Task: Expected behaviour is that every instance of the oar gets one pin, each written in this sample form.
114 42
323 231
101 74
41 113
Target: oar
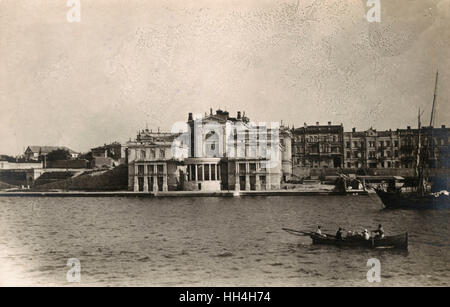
297 232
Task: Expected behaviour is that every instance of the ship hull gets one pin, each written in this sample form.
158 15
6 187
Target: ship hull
394 200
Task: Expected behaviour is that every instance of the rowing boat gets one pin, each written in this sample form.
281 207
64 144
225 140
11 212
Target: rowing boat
399 241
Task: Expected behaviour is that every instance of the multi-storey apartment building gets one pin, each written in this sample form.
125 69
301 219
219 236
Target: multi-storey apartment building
435 146
371 149
319 146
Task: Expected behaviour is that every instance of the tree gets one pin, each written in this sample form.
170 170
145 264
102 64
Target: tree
86 156
58 154
7 158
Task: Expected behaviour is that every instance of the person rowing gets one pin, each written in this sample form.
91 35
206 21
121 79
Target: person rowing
379 232
339 233
319 231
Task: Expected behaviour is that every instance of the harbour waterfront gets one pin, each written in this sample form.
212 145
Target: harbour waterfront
213 241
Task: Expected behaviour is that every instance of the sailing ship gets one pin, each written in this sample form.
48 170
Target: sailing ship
420 197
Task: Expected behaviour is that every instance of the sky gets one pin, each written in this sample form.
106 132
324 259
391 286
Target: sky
129 64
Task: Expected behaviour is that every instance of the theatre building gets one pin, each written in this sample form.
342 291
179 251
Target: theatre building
214 152
232 153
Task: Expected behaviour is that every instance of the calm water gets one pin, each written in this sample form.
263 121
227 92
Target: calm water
211 242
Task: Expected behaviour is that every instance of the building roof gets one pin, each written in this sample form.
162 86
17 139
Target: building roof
320 129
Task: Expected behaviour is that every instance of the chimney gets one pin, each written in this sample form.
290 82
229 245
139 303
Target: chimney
190 117
329 123
409 127
443 126
305 125
239 115
317 123
353 129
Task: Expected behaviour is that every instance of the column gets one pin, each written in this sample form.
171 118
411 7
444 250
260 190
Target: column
237 178
136 181
258 183
145 183
209 171
247 177
155 183
196 173
267 181
136 184
203 171
165 187
247 182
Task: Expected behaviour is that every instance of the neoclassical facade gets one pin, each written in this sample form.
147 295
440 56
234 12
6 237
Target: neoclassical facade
214 152
154 162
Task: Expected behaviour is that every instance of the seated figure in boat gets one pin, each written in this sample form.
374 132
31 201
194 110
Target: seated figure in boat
319 231
339 234
365 234
379 233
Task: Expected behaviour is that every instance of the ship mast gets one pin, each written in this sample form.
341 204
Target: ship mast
433 113
419 170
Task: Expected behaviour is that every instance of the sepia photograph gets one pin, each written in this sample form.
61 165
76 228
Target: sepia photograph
224 148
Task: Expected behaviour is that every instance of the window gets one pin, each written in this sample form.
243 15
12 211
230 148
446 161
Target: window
207 166
388 143
160 169
347 145
140 170
143 155
193 172
263 165
200 172
241 167
152 153
396 143
213 172
253 167
162 153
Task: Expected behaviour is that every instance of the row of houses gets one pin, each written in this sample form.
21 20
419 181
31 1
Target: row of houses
328 146
220 152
